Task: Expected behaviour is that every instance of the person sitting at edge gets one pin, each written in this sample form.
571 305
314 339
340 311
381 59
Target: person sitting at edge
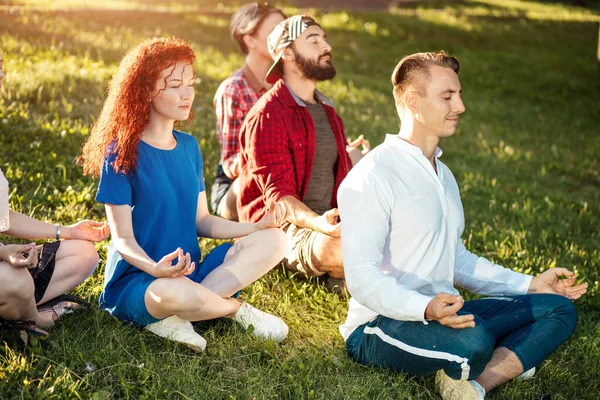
236 95
33 278
405 313
293 150
152 185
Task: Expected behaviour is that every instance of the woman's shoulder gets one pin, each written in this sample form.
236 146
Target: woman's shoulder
186 139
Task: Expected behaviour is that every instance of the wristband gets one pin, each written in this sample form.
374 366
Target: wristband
57 237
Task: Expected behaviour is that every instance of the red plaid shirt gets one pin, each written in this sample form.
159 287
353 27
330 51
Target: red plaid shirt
233 100
277 148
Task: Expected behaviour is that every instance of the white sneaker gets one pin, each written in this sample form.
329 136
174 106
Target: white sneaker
178 330
266 326
454 389
527 374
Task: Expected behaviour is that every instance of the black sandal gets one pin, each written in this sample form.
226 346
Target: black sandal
64 297
28 326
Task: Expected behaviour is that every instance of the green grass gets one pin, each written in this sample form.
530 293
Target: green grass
526 157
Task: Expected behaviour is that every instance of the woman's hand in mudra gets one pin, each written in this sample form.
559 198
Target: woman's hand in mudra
19 255
166 269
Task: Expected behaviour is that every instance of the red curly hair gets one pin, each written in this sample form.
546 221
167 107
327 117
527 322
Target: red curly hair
126 111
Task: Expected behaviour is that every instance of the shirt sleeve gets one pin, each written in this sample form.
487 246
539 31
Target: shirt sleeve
114 187
363 202
479 275
269 161
230 118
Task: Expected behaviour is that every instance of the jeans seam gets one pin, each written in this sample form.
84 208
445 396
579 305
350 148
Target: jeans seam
518 312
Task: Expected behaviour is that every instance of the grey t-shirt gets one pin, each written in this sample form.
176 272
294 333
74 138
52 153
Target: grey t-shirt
322 179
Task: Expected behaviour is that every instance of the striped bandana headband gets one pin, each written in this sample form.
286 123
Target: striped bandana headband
282 36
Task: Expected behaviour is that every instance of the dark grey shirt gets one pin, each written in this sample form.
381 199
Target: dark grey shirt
322 178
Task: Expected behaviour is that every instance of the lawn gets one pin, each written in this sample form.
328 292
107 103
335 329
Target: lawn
526 157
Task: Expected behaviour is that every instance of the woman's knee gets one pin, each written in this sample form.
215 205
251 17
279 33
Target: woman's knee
16 283
274 243
85 253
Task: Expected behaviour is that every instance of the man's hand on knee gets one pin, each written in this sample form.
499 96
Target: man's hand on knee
443 308
329 223
559 281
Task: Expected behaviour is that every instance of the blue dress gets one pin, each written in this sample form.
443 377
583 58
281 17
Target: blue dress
163 195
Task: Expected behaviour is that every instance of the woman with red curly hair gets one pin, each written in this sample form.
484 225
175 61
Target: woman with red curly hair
152 185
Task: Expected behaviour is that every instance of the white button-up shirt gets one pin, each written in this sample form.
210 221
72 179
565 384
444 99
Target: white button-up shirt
401 238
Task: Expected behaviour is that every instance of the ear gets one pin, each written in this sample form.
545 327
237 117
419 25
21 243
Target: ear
249 41
410 99
288 54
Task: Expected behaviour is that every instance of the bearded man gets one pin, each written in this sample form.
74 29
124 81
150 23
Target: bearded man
293 151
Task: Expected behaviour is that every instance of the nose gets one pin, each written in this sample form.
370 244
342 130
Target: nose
187 92
326 48
459 106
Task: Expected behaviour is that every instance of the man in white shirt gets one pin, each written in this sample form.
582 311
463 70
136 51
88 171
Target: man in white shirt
402 221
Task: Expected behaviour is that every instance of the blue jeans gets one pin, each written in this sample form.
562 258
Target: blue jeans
531 326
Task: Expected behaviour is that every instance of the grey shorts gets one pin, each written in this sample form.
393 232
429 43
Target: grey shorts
299 257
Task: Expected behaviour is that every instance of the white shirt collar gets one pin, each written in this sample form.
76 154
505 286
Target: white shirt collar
401 144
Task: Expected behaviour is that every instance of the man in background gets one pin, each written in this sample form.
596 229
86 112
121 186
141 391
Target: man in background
236 95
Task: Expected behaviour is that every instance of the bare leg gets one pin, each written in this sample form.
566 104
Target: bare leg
248 260
17 301
75 261
187 300
503 367
228 206
327 256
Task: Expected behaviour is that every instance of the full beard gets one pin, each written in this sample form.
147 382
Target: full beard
313 70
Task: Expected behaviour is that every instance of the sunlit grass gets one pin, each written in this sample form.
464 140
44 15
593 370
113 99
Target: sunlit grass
500 9
526 157
155 5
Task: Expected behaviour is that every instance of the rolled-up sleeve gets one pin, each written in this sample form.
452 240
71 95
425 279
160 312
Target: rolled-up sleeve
365 205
